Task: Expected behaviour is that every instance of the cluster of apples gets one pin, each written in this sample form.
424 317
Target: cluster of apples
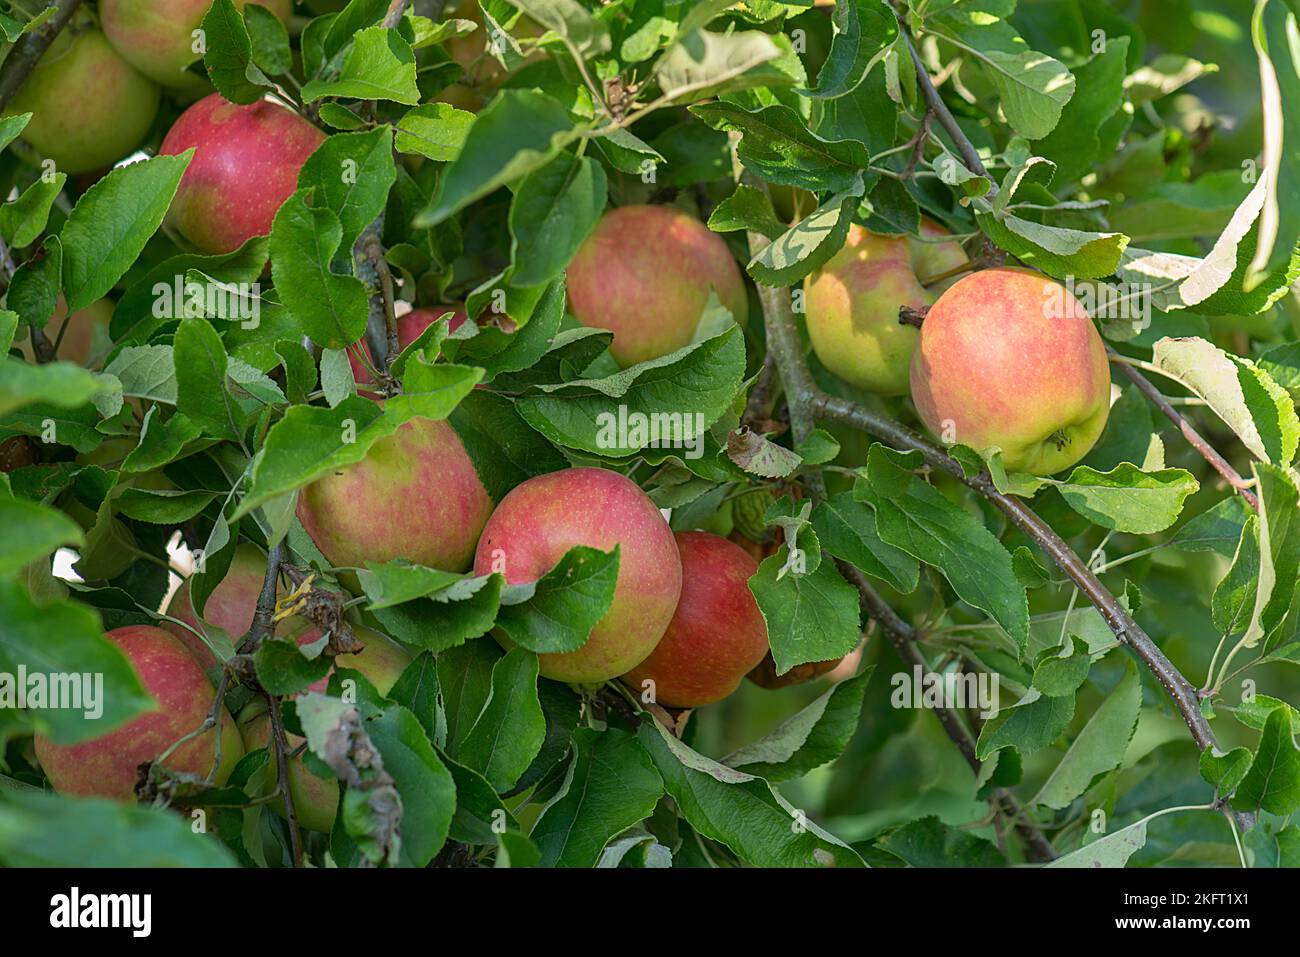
1004 358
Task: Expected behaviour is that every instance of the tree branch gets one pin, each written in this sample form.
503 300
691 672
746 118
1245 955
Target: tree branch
1194 438
31 47
903 637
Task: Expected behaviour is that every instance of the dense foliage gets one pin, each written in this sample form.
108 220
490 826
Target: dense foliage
643 433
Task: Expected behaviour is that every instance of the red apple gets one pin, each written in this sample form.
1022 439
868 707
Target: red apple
1009 358
542 518
716 636
415 495
157 36
106 766
230 606
245 165
645 274
89 107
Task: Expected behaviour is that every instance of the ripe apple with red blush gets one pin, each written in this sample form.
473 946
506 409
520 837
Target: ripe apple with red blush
106 766
540 519
245 165
717 634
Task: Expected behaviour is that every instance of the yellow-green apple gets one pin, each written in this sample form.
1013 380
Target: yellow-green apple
89 107
717 634
645 273
157 36
541 519
1009 358
107 766
415 495
409 327
852 307
315 799
86 340
931 257
245 165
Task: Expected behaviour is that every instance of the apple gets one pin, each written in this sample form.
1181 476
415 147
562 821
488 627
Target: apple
106 766
86 342
315 799
1009 358
245 165
852 307
931 259
409 327
89 107
543 517
157 36
415 495
645 274
717 634
764 673
230 606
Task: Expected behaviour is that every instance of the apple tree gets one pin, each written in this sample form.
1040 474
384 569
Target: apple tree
640 433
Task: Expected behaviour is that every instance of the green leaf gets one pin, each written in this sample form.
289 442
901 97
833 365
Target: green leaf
610 785
1030 725
1225 770
45 830
861 29
379 66
1166 74
518 132
1032 88
64 637
778 146
269 39
1056 250
811 616
747 208
847 529
1113 850
23 220
739 810
704 64
1273 782
1099 747
1248 401
1075 145
684 391
1126 498
435 130
202 389
809 243
913 516
1273 30
569 19
352 174
108 228
283 669
556 613
32 531
333 309
510 729
554 209
928 842
62 384
229 54
810 738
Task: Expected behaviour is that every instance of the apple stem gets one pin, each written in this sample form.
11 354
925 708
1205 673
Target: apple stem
907 316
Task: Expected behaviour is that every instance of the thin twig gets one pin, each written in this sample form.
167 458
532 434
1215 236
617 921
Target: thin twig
263 626
374 253
903 637
1194 438
281 743
31 47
